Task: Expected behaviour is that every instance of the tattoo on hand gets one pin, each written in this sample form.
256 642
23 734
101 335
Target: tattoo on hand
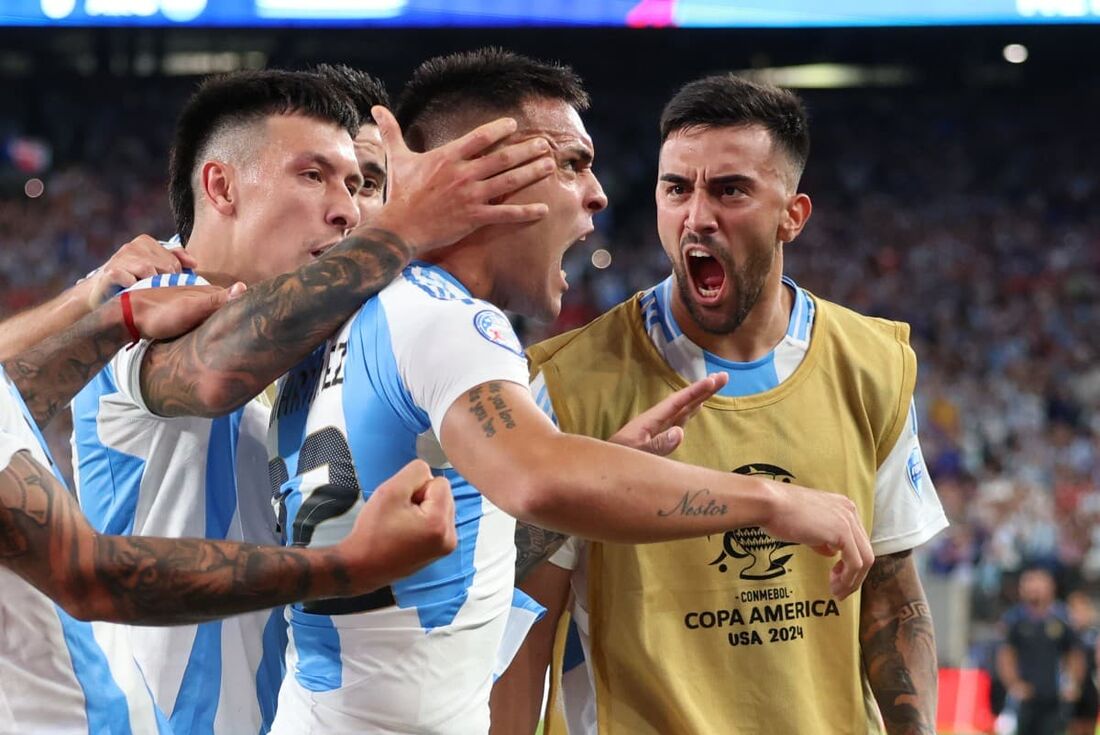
696 503
899 647
534 545
490 409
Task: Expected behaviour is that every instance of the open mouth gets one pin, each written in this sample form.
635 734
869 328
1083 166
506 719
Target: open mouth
706 273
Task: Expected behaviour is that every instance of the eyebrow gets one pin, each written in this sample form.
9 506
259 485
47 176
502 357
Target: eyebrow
716 181
373 168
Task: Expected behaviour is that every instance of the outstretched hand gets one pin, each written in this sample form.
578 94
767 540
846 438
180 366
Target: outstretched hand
660 430
434 199
142 257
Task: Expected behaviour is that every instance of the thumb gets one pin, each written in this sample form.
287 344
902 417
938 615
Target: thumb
666 442
436 497
237 289
389 130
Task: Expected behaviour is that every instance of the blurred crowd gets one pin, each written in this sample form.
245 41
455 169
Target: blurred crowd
969 217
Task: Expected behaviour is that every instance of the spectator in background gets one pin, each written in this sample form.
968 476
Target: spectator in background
1039 662
1086 627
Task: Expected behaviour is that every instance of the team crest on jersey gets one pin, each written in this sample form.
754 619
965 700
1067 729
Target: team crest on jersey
914 469
761 556
493 326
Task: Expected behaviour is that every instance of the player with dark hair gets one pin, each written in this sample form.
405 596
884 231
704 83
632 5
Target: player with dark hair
54 672
169 437
737 632
365 92
431 368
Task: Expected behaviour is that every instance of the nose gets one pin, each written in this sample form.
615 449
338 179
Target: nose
700 214
595 200
343 213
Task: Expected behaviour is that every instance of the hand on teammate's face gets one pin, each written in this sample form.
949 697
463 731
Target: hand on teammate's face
164 313
435 199
142 257
408 522
828 523
659 430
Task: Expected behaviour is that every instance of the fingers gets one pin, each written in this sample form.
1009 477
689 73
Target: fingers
503 214
516 178
684 403
409 480
666 442
389 130
477 140
236 290
185 259
856 559
509 157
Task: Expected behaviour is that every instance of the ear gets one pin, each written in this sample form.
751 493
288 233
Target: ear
794 217
219 191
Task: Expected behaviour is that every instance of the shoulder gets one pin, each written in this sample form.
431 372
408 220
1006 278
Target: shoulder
425 305
875 332
576 346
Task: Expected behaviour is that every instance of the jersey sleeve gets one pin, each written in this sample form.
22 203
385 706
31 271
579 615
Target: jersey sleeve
568 555
541 395
449 348
126 364
9 445
907 509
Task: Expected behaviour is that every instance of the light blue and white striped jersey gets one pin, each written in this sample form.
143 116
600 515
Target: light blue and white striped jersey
54 675
142 474
418 656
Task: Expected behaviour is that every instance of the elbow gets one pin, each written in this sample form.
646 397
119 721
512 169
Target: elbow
533 498
216 397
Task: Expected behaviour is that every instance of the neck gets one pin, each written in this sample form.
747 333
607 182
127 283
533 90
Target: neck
213 252
763 328
468 263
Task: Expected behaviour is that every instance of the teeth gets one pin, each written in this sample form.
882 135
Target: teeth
697 254
709 292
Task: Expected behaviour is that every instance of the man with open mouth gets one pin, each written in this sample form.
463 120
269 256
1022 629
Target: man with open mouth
736 633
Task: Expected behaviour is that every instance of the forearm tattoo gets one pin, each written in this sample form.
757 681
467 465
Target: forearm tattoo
253 340
149 581
489 407
534 545
697 503
49 374
899 646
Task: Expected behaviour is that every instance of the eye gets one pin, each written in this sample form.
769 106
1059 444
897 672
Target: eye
675 190
313 175
732 190
370 188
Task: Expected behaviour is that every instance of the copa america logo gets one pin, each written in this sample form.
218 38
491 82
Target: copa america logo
754 543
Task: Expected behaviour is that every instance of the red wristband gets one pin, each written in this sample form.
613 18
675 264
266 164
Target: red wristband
128 318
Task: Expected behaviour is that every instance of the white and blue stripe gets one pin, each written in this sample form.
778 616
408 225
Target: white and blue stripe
746 378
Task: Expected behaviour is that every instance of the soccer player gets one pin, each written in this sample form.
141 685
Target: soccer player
53 674
737 633
167 438
431 368
365 92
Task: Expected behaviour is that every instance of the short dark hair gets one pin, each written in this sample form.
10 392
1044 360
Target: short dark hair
726 100
489 79
240 98
364 91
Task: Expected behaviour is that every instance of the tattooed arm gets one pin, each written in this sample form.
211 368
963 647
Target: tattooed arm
49 374
658 430
434 199
498 439
899 646
156 581
140 258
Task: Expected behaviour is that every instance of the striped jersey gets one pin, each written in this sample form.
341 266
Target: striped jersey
143 474
54 675
420 655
